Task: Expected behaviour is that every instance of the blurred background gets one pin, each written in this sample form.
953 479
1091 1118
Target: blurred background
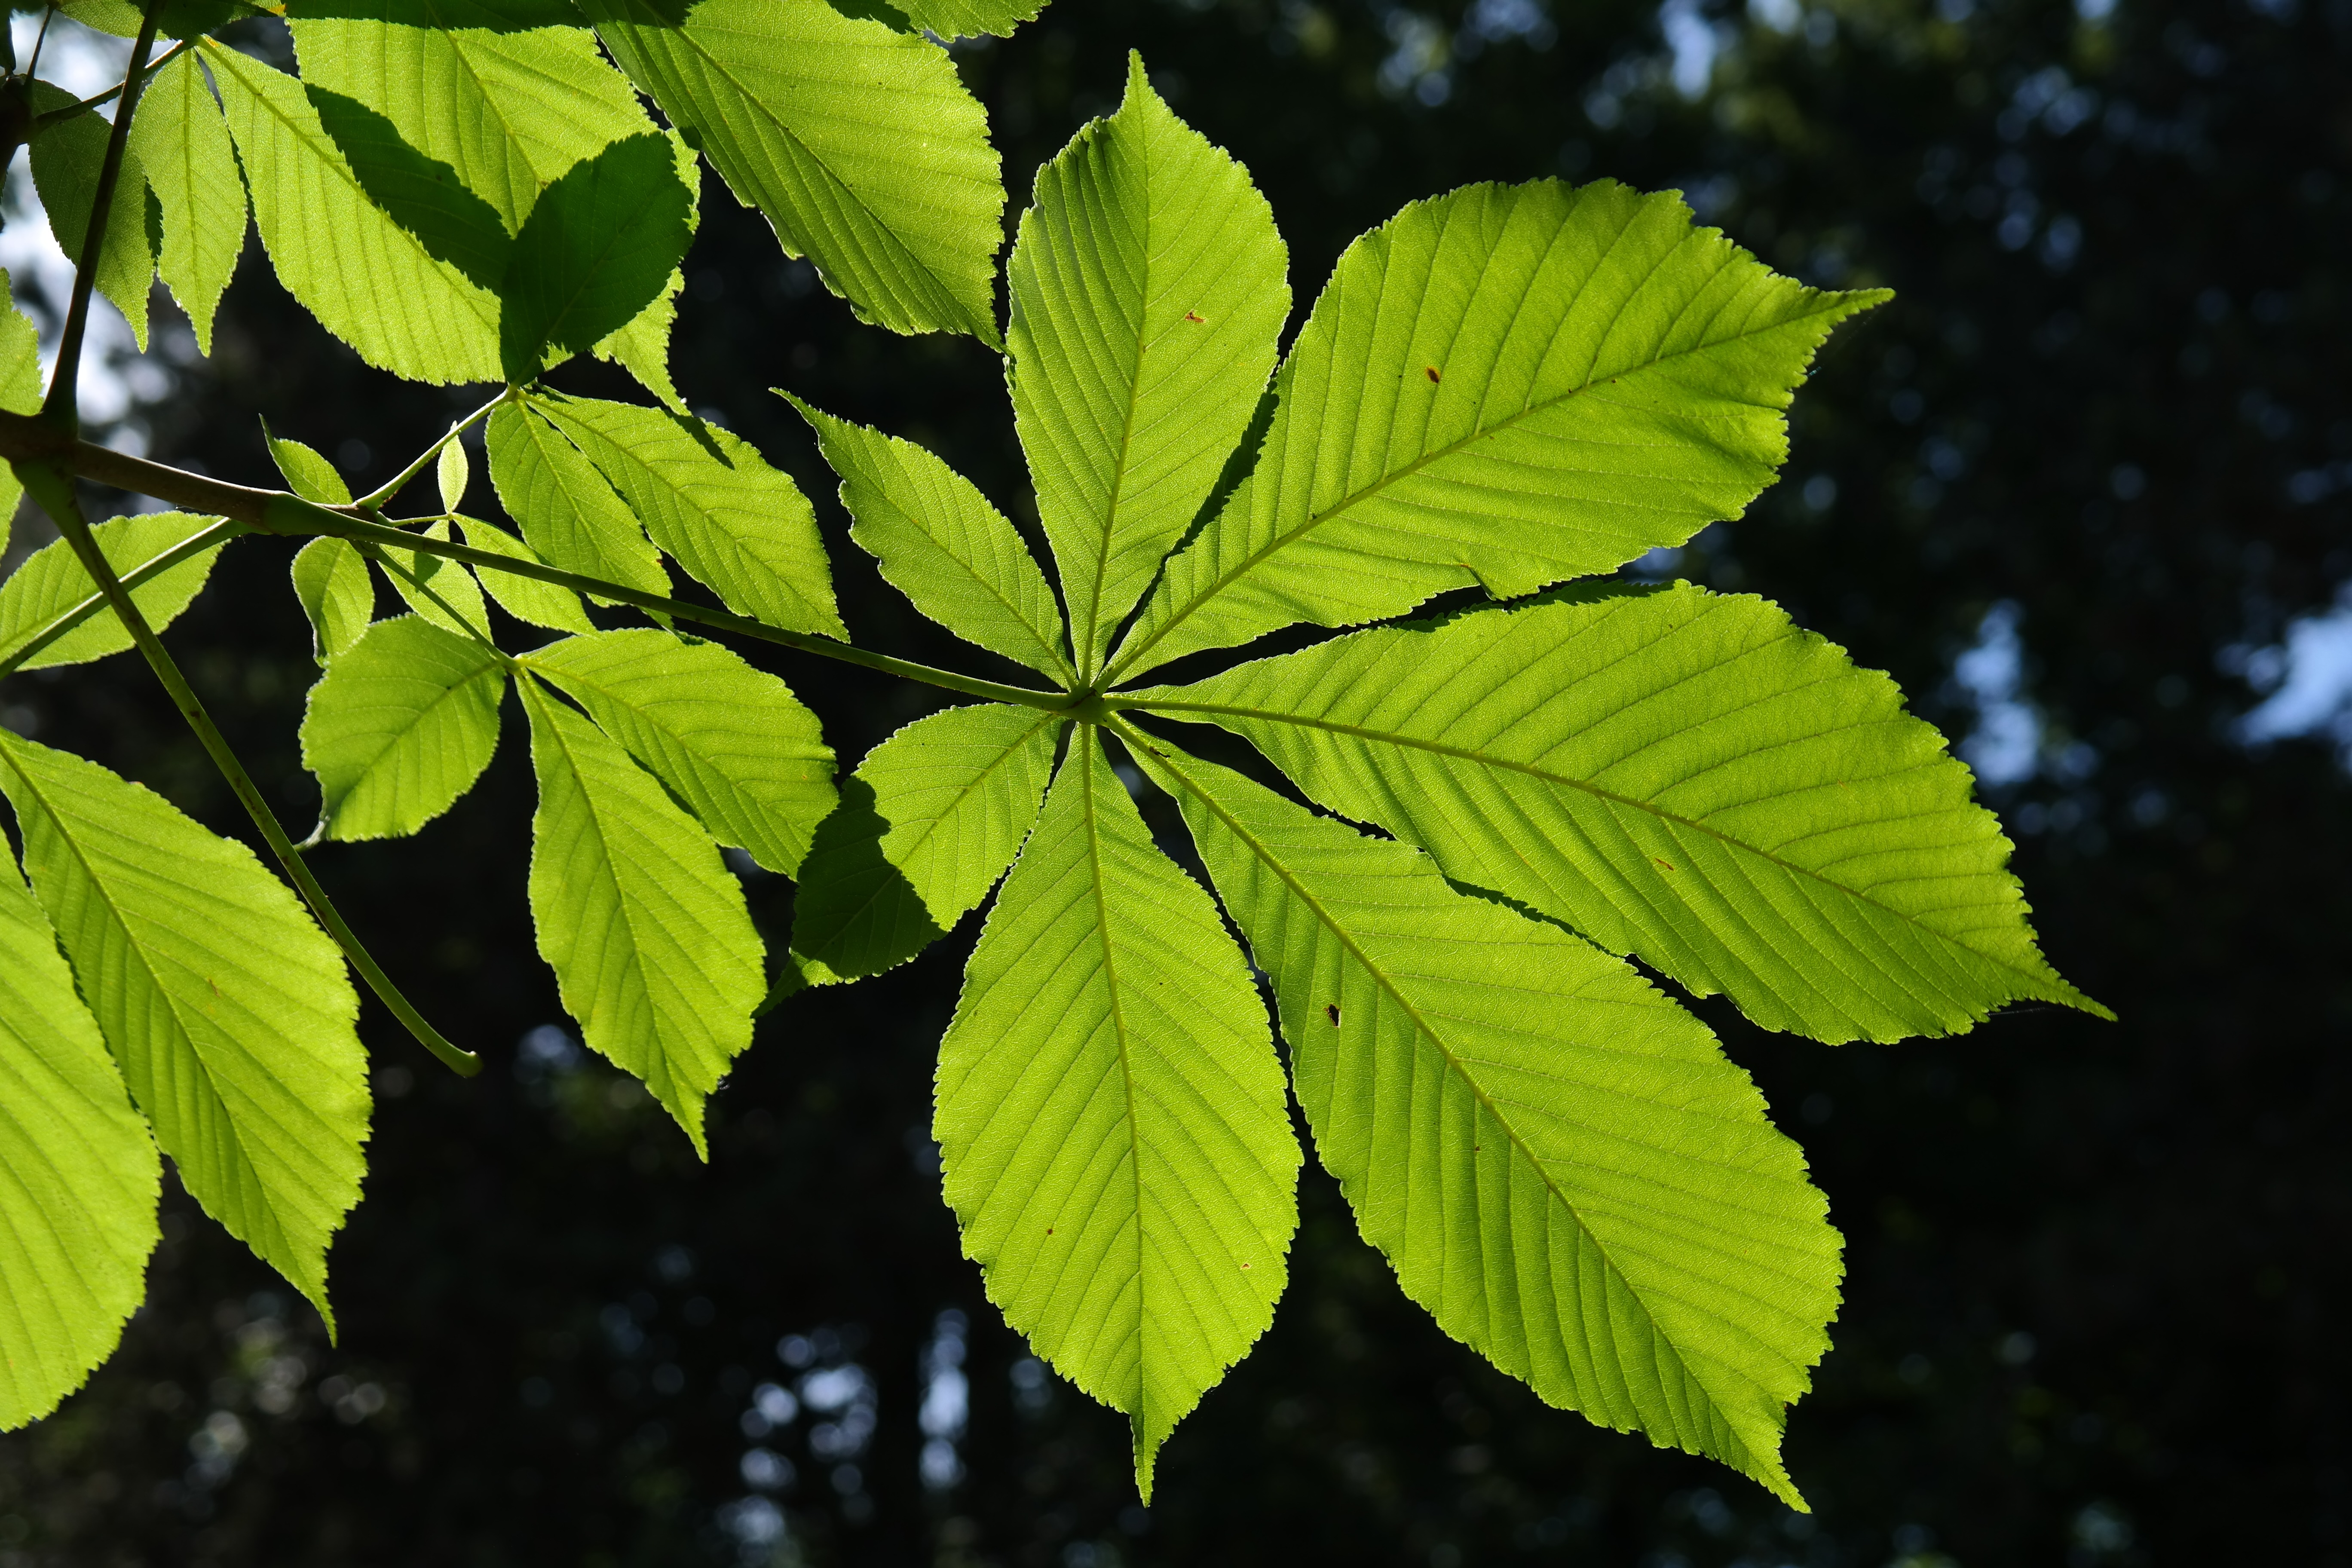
2083 488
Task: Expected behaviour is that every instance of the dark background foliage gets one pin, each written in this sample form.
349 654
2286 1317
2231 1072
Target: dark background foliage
2088 1313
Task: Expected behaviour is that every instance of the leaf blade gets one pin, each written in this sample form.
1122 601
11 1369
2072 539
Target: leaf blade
184 150
400 727
330 579
599 246
51 581
566 511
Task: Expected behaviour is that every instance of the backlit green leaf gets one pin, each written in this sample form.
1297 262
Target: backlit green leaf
525 599
20 382
400 727
1148 287
1508 386
369 281
859 144
1557 1160
79 1175
52 582
442 592
421 194
941 544
740 527
927 825
971 18
451 474
1111 1117
66 158
1680 775
307 473
228 1011
730 741
595 250
646 927
330 579
567 511
184 148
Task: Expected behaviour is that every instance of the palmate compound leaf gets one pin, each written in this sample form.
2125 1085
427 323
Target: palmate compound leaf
184 148
51 581
927 824
79 1175
859 144
567 511
369 281
730 741
1509 386
1147 286
507 99
228 1010
941 544
740 527
653 949
1111 1116
1557 1160
1680 775
330 579
65 160
400 727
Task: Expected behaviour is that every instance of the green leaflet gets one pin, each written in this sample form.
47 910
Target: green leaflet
66 160
927 825
1680 775
51 581
971 18
184 148
451 474
1508 386
645 929
443 592
228 1011
79 1175
1148 287
424 195
566 511
369 281
597 248
330 579
1555 1159
859 144
400 726
1111 1115
740 527
306 472
525 599
20 384
941 544
730 741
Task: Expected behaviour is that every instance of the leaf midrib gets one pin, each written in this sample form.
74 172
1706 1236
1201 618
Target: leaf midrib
1595 791
1126 661
1454 1064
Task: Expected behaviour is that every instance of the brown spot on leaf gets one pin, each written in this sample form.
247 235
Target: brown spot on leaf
1662 865
1331 1011
1197 319
1431 371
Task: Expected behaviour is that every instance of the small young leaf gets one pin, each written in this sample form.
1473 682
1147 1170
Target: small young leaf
941 544
400 727
597 249
330 579
228 1011
306 474
730 741
443 592
860 143
1508 386
653 949
66 158
1681 775
453 473
1111 1116
927 825
743 529
369 281
184 147
1557 1160
79 1175
566 511
1148 287
51 581
525 599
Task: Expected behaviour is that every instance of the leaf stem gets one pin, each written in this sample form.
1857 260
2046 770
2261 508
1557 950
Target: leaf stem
372 502
60 408
52 488
146 74
41 38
